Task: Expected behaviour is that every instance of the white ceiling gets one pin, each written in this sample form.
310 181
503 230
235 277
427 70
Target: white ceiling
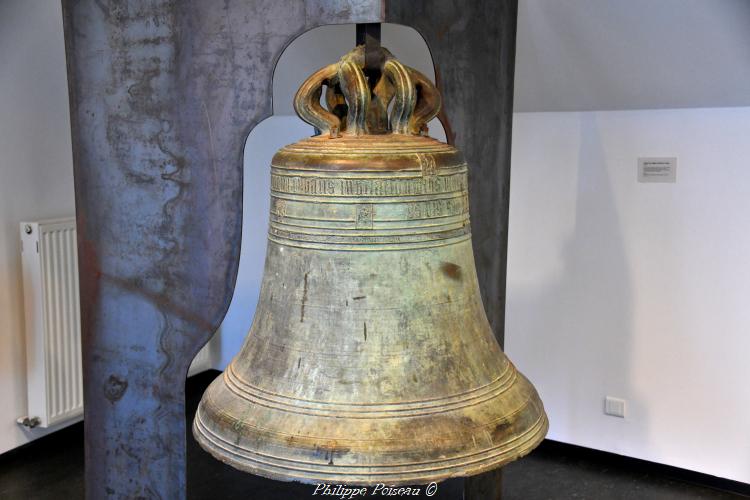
575 55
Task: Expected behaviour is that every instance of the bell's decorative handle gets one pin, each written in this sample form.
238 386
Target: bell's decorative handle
405 95
357 106
307 101
353 85
428 103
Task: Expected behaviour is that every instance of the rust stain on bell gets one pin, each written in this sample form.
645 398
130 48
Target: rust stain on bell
451 270
370 359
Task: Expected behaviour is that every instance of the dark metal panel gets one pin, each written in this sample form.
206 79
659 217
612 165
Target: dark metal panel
473 47
163 95
487 486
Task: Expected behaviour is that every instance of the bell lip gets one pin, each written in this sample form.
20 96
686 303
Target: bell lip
531 438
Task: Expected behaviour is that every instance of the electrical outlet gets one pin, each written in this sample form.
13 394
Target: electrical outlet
614 407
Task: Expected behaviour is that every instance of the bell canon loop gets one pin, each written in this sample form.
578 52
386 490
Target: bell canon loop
370 358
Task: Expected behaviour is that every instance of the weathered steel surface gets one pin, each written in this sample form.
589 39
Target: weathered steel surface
486 486
473 46
163 95
370 359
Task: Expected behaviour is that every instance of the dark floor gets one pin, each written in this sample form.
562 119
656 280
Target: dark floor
52 468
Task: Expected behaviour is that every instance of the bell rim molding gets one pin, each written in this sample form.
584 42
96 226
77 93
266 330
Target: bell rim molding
370 475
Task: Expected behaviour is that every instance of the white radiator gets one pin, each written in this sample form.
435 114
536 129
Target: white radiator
53 326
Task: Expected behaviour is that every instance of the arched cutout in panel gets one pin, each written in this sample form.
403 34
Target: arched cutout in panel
306 54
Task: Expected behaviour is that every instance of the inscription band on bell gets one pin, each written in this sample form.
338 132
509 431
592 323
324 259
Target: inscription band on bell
338 186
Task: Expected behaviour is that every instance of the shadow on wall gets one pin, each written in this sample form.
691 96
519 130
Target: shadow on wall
583 315
305 55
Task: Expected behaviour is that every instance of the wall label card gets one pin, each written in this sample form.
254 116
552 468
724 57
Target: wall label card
657 170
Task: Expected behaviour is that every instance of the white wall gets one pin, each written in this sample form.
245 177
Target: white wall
637 291
36 173
579 55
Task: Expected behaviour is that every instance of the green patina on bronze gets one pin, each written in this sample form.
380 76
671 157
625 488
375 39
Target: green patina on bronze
370 359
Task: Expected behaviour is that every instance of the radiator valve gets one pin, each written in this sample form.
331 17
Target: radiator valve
29 422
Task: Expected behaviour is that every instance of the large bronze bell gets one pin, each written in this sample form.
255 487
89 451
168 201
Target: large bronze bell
370 358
